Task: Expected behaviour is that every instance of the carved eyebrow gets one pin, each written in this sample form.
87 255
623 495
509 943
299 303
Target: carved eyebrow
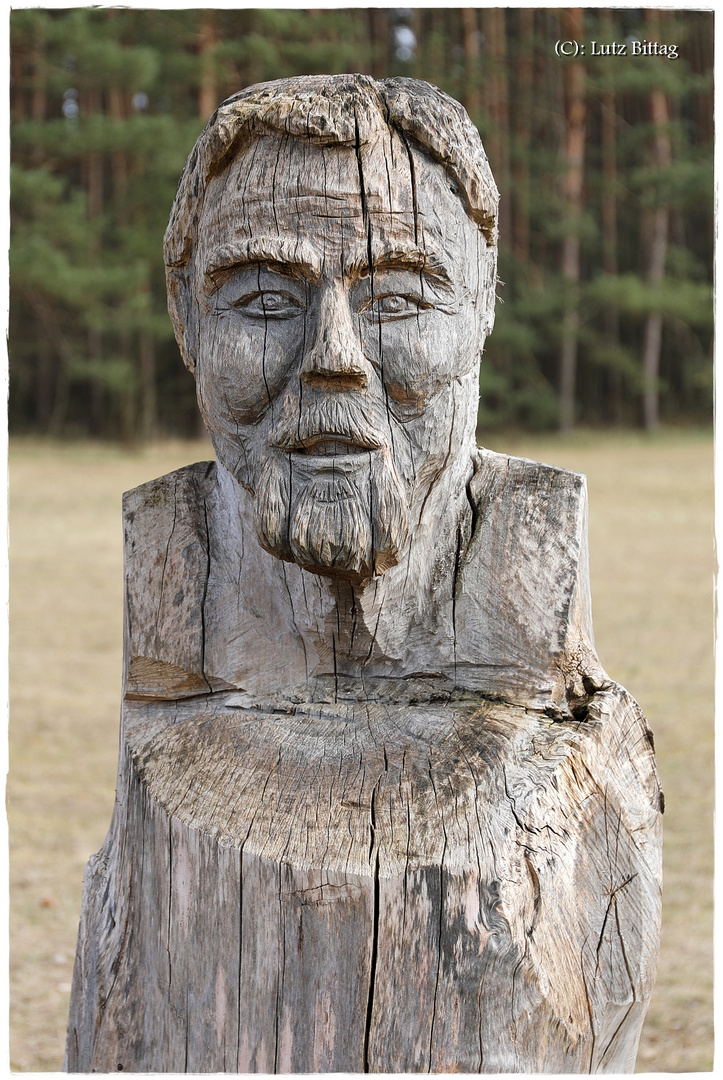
296 258
414 259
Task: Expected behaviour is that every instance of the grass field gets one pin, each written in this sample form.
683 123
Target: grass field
652 563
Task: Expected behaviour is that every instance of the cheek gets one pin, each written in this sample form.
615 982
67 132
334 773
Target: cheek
243 365
419 357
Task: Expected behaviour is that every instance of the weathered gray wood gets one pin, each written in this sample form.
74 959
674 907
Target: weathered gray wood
501 879
204 601
379 806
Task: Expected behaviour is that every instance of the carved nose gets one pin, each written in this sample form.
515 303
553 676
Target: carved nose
334 360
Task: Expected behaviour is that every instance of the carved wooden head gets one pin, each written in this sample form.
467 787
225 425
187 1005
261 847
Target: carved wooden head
331 270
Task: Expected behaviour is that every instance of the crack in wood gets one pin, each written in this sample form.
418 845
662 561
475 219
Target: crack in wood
401 818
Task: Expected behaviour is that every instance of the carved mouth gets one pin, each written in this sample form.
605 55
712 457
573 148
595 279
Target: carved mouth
332 446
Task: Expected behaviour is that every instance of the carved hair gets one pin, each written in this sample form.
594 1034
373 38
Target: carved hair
336 110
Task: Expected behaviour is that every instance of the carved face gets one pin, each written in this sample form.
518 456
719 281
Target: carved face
340 335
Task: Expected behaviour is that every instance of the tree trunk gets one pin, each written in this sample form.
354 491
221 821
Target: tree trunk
379 42
387 877
497 101
572 194
119 159
662 156
362 900
608 119
147 363
208 96
18 59
472 87
39 100
44 367
60 344
379 807
94 347
93 163
524 75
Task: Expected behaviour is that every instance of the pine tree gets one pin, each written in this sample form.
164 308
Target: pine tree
106 105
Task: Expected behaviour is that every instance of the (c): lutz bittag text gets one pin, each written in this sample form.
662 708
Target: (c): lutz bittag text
631 47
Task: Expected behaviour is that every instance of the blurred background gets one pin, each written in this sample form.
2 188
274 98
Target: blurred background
604 164
604 334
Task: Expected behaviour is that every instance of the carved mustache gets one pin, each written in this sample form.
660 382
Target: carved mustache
320 420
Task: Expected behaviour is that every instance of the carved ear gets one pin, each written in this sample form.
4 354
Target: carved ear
183 312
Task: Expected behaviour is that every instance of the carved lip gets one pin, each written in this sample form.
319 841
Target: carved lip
330 445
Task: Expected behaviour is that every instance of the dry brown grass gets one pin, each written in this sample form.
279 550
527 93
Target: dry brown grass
652 566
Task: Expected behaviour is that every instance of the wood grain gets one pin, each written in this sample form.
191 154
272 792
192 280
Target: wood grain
430 879
379 806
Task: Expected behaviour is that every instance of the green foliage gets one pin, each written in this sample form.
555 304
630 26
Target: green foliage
106 105
689 301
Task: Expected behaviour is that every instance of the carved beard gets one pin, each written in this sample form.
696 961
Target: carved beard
346 518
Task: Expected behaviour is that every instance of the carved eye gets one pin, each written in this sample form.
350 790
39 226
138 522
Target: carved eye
397 306
268 305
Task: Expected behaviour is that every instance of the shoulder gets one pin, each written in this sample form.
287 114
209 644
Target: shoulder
529 502
503 474
181 489
529 510
166 557
523 595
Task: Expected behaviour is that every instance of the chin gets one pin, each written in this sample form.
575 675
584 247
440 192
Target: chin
347 521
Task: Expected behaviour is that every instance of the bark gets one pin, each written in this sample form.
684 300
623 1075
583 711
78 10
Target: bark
497 102
379 42
471 37
93 175
524 78
94 348
574 156
652 341
44 370
147 359
208 95
18 59
118 109
39 97
609 214
61 346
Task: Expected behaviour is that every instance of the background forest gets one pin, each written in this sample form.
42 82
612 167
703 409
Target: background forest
604 164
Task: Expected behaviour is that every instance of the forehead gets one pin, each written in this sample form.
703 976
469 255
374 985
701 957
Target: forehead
336 198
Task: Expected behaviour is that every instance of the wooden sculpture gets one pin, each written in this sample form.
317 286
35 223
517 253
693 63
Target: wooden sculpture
379 807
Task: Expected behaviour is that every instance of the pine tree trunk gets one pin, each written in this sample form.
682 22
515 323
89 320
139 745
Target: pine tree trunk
524 76
208 96
39 102
379 41
54 335
497 102
652 341
118 110
472 87
93 163
575 108
43 384
94 346
18 59
147 363
609 215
